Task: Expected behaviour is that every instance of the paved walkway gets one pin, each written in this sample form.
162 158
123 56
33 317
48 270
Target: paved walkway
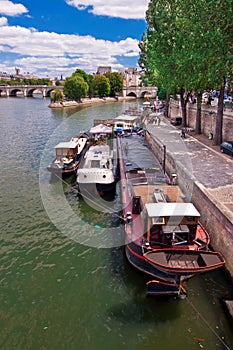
208 165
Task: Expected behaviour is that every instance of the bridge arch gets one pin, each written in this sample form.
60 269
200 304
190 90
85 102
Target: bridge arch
140 91
49 91
13 92
142 94
132 94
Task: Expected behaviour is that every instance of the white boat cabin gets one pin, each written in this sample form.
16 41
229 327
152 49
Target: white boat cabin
71 148
171 223
126 123
99 156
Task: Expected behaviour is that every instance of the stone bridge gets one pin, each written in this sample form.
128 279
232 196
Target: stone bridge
27 90
140 92
45 90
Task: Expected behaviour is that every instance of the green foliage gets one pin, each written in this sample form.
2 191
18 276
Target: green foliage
57 96
101 86
161 93
88 78
39 81
188 43
188 47
116 83
75 87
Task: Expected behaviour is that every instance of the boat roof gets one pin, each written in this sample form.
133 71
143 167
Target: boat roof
171 209
101 129
68 144
125 117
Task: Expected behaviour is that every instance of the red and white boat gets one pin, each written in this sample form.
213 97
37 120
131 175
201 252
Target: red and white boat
164 238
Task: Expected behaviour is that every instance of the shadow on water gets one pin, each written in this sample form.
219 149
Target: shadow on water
139 307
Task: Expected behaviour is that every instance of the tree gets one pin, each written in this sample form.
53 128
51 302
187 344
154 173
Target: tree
116 83
188 47
101 85
75 87
57 96
88 78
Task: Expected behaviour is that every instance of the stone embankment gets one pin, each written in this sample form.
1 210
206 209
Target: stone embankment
87 102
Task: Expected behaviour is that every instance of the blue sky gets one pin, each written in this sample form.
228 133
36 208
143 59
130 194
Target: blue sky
54 37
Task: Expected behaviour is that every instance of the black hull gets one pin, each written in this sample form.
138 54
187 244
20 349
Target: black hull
106 188
135 257
99 189
158 288
64 172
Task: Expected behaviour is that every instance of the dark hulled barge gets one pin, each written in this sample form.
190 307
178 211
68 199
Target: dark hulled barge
164 238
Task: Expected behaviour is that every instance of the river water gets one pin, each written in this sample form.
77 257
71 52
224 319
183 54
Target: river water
64 283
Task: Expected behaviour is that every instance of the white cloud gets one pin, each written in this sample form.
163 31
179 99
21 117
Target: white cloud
61 53
3 21
130 9
8 8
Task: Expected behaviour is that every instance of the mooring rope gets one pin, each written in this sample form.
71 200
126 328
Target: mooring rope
108 209
208 325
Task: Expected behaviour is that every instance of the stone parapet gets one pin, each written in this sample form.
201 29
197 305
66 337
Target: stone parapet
208 118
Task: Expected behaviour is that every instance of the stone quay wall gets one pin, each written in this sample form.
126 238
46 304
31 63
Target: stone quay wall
214 216
216 221
208 118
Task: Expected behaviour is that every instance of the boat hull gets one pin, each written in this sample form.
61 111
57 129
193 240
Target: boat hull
136 258
64 171
101 189
159 288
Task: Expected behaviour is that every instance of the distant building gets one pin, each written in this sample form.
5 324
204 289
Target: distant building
103 69
131 77
16 76
5 76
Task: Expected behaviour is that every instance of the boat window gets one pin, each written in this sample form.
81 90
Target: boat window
160 220
95 164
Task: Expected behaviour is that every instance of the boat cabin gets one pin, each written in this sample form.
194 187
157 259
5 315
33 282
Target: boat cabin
170 224
67 149
126 123
99 156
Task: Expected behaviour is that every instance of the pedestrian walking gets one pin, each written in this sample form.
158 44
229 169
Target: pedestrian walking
182 132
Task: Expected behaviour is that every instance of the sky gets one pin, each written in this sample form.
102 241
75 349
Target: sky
52 38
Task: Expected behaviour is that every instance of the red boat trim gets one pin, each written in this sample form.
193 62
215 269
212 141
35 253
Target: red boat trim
165 283
135 254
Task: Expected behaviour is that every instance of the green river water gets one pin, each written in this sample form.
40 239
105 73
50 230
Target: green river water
60 288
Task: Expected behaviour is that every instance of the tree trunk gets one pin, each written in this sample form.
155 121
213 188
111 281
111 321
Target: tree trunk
167 104
183 102
217 139
198 114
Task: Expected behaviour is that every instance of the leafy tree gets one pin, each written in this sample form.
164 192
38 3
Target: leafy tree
161 93
116 83
88 78
57 96
101 85
188 47
75 87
